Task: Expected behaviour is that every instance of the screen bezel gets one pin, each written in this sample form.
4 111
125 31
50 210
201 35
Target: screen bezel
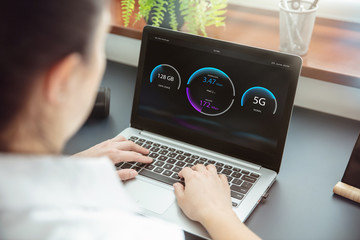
265 160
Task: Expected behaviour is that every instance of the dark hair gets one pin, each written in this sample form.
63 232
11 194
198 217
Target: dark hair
34 35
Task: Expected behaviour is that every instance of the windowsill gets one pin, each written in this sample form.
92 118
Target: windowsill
334 52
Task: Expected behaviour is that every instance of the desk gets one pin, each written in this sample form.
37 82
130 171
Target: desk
301 204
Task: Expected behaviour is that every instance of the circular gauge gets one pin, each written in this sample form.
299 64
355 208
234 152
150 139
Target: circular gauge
165 76
259 99
210 91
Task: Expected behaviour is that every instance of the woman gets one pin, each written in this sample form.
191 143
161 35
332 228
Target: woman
51 64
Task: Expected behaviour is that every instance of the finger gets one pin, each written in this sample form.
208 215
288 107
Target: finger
131 146
128 156
179 191
126 174
119 138
185 173
211 168
224 179
199 168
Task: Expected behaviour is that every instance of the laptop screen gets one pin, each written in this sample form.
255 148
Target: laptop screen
232 99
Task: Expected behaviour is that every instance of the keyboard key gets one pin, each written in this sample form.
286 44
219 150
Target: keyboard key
158 170
219 164
157 176
195 156
163 158
147 146
139 164
228 167
203 159
236 169
234 204
189 160
254 175
136 168
153 155
175 176
176 169
236 174
211 162
180 164
154 149
171 160
229 178
218 169
244 172
156 145
239 189
226 172
246 185
168 166
142 140
172 154
180 157
150 167
172 149
167 173
237 195
164 147
179 152
126 165
237 182
249 179
149 142
163 152
133 138
188 165
186 154
139 143
159 163
118 164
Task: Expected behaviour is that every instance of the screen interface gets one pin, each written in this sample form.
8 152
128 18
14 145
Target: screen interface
213 93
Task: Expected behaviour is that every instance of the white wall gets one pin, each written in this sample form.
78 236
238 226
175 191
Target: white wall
313 94
346 10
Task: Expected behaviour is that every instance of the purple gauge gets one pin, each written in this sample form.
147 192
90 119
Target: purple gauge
210 91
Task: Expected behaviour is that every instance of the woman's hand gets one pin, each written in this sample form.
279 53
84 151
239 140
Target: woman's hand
206 199
205 193
118 149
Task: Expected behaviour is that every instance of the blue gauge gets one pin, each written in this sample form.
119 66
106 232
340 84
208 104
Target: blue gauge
210 91
165 76
260 100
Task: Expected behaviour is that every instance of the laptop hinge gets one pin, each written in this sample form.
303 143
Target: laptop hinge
201 150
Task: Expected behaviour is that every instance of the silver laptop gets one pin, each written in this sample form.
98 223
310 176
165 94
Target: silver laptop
200 100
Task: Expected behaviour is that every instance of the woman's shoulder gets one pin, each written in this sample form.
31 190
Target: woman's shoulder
29 180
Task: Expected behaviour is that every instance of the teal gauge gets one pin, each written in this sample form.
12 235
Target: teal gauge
260 100
165 76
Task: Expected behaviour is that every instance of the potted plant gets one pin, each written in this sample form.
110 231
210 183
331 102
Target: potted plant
195 14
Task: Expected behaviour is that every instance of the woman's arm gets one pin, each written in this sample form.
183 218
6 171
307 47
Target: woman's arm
206 199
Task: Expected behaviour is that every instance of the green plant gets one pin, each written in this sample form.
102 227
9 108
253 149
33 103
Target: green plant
197 14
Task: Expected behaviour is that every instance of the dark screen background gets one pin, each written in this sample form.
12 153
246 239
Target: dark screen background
239 126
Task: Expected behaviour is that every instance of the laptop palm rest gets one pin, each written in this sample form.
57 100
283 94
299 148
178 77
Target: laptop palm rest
150 196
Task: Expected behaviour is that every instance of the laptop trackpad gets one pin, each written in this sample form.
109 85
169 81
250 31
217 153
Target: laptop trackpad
149 196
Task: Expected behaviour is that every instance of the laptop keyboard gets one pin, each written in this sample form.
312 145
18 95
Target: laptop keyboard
168 162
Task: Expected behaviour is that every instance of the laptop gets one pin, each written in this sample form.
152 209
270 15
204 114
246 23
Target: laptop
201 100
